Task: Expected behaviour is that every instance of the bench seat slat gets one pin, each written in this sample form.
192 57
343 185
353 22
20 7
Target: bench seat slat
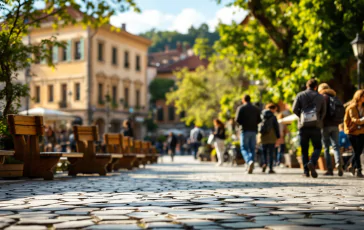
113 155
62 154
7 153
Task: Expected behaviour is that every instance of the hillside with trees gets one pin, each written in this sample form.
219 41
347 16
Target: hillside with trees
171 38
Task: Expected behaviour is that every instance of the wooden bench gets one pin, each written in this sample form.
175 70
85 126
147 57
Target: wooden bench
9 170
117 143
26 131
138 150
92 162
155 154
147 151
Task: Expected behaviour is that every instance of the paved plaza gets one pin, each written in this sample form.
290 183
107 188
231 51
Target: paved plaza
185 194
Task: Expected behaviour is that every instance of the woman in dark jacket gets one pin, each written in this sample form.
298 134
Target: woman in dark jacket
127 130
172 143
219 138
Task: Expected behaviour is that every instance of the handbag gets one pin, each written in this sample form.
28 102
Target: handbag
211 139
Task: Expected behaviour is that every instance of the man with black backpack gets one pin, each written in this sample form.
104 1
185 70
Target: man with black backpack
196 136
330 132
310 107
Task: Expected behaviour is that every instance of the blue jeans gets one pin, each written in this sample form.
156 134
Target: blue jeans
280 153
313 134
330 135
195 147
268 149
248 141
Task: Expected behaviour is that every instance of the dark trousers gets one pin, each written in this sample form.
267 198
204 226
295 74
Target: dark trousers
313 135
195 147
268 149
357 141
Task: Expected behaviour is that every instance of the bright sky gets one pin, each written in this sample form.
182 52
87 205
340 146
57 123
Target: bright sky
177 15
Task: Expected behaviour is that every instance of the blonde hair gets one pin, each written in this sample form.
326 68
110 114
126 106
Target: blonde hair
322 87
357 96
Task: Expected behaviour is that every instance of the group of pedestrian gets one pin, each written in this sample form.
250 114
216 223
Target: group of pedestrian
320 113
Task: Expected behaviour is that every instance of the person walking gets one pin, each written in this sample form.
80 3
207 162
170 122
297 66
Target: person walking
248 118
196 136
310 107
127 129
354 127
280 144
171 144
219 141
269 130
330 132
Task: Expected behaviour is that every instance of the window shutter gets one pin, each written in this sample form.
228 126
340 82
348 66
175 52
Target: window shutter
55 54
44 60
82 48
69 50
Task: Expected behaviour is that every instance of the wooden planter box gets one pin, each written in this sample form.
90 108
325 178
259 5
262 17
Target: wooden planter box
11 170
291 161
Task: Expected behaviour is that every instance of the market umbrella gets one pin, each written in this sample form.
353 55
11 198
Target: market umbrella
49 114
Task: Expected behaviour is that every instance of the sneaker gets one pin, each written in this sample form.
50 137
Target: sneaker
312 169
329 173
219 164
264 167
340 170
359 174
250 167
271 171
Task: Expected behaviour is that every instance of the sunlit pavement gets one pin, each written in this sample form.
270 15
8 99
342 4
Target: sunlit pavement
184 194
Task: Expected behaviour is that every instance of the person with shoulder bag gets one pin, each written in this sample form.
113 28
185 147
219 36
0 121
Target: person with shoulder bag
269 130
354 128
310 107
330 132
219 140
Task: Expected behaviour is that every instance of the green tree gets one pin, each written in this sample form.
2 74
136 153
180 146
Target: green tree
285 43
199 93
17 17
159 87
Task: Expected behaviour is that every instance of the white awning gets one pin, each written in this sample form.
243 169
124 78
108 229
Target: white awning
49 114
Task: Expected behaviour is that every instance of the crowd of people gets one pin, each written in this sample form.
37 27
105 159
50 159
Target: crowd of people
322 120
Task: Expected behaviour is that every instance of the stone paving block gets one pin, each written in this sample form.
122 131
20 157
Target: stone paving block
28 227
34 221
114 227
74 224
242 225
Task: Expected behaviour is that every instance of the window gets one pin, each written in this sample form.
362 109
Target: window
50 58
126 97
171 113
50 93
37 94
77 50
137 61
77 91
137 98
100 94
114 56
126 59
160 114
100 51
114 94
64 92
64 54
182 114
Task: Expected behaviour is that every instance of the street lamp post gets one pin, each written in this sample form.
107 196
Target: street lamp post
358 48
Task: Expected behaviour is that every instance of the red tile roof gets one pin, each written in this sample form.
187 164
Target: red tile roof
191 62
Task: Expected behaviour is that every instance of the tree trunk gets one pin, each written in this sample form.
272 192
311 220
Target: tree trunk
341 82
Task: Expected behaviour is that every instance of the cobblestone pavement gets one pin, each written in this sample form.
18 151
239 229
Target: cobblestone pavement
185 195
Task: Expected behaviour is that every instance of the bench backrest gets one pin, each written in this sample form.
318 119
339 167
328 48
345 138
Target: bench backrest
26 131
85 137
146 147
138 146
126 144
114 142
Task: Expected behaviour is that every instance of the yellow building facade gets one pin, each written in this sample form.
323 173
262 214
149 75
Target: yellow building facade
104 87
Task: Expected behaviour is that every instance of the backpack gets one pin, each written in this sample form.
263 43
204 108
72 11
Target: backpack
335 110
309 114
199 136
265 126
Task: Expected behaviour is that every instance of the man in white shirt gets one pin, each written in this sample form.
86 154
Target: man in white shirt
196 136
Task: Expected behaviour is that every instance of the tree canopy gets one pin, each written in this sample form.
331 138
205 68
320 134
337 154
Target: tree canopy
17 17
282 44
161 39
